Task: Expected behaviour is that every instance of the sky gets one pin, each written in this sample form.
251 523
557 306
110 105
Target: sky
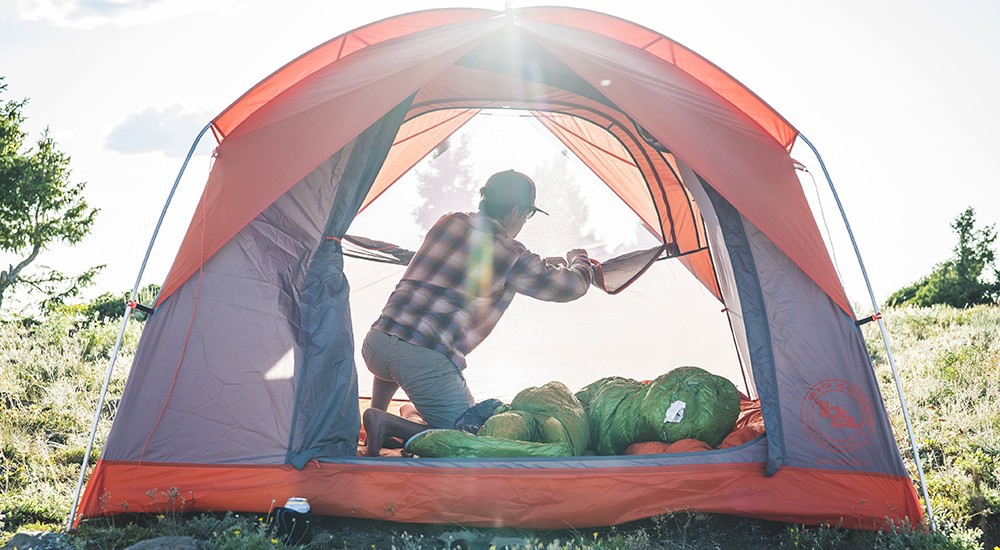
900 98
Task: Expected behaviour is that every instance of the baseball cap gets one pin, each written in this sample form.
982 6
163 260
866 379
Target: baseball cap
511 188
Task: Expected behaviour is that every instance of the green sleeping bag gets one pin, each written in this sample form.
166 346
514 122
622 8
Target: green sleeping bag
543 421
519 425
462 444
559 414
690 403
613 413
687 402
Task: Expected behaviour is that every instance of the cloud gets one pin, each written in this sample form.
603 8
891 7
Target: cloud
107 8
89 14
169 131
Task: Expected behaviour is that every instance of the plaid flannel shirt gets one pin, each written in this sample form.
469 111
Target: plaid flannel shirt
463 278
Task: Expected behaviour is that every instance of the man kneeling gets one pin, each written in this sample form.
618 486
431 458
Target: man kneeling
458 285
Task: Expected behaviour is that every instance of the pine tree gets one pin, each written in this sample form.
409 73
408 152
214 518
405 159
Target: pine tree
446 184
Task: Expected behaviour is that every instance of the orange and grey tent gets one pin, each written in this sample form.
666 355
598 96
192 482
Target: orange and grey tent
244 388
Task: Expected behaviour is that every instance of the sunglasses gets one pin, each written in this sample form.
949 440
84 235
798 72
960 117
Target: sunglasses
532 210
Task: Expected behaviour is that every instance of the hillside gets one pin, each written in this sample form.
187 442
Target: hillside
949 362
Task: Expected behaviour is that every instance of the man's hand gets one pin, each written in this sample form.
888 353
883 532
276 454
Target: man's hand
574 253
556 261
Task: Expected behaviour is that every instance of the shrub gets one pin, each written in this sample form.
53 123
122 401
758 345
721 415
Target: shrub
110 306
958 282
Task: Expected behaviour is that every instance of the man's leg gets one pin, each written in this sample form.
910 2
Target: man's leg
434 385
382 392
377 350
380 425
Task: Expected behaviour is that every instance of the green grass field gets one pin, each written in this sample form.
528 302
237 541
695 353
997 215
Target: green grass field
949 362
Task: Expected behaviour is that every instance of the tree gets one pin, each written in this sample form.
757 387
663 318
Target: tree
110 306
446 183
39 206
559 194
960 281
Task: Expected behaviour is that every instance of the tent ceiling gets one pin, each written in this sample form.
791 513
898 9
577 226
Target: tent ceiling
551 60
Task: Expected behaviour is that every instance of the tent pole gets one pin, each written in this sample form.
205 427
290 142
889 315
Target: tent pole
885 336
121 331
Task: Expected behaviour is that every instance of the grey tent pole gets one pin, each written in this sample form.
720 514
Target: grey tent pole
885 336
121 331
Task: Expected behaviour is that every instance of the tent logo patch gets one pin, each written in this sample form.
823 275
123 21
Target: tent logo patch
837 415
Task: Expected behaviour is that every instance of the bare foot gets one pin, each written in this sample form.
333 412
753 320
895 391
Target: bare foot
381 426
375 430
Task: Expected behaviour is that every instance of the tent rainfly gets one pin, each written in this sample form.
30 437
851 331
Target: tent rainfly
244 390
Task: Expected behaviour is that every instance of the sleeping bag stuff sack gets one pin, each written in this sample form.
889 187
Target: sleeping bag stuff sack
687 402
519 425
612 407
559 414
691 403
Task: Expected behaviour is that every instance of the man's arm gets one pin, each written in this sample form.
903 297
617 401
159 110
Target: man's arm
536 277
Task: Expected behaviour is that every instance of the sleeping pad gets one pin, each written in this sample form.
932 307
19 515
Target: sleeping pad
685 403
543 421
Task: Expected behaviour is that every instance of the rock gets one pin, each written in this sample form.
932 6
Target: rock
459 540
169 543
38 540
507 543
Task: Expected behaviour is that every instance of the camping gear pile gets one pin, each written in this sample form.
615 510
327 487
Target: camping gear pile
243 390
605 418
542 421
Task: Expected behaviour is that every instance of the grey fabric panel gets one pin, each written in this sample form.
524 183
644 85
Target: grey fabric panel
831 408
326 420
234 393
723 271
755 322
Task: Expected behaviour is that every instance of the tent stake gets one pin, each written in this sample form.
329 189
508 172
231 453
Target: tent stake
121 332
885 337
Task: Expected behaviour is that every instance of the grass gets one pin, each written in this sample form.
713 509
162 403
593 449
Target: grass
949 363
948 360
52 373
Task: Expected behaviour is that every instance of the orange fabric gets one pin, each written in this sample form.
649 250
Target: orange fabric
750 413
415 139
672 212
676 54
660 447
247 177
749 424
710 122
700 263
742 435
606 157
717 140
396 490
331 51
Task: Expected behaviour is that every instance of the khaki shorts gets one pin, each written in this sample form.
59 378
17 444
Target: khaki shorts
433 383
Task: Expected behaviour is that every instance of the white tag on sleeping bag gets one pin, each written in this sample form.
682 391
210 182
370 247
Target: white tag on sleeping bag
675 413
